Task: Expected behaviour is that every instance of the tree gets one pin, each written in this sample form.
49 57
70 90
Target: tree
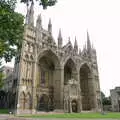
43 3
102 95
1 80
11 29
105 100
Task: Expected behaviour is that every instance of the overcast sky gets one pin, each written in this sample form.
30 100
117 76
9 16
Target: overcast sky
101 18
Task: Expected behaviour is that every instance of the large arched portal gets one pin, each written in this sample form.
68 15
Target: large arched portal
69 71
47 63
85 82
48 75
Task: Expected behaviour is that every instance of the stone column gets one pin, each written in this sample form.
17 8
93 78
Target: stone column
70 104
18 87
79 94
59 87
34 80
34 87
92 91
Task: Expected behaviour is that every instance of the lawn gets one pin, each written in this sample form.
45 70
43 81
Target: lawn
4 111
74 115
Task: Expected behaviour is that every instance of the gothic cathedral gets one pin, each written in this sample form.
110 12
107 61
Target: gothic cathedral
53 77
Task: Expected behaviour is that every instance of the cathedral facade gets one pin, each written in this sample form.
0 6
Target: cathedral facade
53 77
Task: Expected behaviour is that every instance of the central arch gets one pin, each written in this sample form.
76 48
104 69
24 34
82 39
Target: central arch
69 71
47 64
85 84
47 67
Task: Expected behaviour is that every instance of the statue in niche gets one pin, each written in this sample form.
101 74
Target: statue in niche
31 48
26 46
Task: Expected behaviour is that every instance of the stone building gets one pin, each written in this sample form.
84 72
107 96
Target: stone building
6 92
115 99
53 77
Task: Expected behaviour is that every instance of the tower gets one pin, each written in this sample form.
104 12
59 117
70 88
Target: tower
75 46
50 26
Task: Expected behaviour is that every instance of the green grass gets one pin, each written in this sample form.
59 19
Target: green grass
4 111
74 115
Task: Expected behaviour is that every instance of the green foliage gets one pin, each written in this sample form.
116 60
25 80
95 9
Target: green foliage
11 29
43 3
102 95
1 80
105 100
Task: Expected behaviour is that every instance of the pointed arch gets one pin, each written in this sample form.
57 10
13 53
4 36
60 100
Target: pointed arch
49 54
48 61
85 64
85 85
70 71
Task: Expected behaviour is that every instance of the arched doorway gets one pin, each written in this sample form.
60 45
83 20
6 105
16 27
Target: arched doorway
85 84
69 71
43 103
74 106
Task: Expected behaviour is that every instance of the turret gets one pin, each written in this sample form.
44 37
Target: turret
50 27
79 51
30 15
39 22
88 43
75 46
60 40
27 15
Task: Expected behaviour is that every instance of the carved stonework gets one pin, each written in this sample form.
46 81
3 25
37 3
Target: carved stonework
58 73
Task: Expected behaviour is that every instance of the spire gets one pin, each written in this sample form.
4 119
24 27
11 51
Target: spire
79 51
39 22
30 16
60 40
50 26
27 15
88 42
75 46
69 40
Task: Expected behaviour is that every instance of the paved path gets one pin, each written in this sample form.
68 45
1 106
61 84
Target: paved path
4 117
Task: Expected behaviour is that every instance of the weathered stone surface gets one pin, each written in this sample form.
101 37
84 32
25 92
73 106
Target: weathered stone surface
115 99
55 77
